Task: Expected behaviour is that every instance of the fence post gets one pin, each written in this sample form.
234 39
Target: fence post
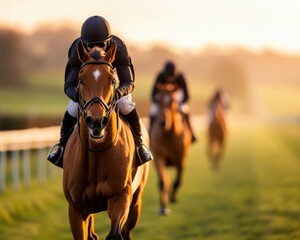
41 165
3 157
26 167
16 150
15 166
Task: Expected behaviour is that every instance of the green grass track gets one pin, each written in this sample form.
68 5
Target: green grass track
255 195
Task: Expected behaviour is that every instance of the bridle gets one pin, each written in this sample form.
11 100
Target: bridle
109 107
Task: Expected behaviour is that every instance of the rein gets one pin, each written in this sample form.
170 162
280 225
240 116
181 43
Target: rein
108 107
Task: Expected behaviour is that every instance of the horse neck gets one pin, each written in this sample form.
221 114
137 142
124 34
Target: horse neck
175 123
111 131
177 118
218 113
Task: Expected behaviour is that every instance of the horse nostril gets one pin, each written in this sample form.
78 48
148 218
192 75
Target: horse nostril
104 122
89 122
96 122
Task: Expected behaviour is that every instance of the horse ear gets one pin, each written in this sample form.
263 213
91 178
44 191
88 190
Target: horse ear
110 55
81 52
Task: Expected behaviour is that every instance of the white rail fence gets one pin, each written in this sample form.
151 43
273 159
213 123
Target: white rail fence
18 149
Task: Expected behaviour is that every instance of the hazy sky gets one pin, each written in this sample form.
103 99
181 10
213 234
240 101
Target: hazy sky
190 24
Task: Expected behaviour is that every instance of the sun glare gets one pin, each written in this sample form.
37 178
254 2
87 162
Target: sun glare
186 25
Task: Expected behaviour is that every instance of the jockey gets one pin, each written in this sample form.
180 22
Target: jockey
96 31
219 97
170 75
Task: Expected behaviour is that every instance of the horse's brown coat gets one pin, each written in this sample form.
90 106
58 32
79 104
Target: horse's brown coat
217 132
170 140
99 170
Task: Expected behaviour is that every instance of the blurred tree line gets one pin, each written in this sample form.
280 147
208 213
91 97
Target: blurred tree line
11 69
23 54
47 49
235 70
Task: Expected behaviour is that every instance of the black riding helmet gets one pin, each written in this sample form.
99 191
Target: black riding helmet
170 68
95 31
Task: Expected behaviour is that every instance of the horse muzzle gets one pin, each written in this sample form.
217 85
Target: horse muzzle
96 126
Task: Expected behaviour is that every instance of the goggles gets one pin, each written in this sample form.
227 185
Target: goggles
102 44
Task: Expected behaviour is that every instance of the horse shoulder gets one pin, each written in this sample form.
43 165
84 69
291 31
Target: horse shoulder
125 137
71 154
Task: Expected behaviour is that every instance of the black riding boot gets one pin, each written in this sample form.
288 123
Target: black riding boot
144 154
187 117
67 125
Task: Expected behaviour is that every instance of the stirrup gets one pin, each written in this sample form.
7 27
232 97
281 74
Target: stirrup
140 158
58 161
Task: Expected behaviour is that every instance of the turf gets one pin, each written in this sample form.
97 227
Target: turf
255 195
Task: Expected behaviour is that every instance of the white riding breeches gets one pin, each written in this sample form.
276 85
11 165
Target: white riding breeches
73 108
125 104
184 108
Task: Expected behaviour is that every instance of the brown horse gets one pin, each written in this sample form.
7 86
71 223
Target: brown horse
217 131
170 139
100 173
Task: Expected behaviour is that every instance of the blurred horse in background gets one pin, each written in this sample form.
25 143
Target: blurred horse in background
170 139
217 128
100 171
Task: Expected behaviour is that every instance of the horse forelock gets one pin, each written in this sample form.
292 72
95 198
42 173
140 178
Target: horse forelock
97 53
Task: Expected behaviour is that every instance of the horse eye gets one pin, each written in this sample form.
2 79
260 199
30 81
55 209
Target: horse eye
81 82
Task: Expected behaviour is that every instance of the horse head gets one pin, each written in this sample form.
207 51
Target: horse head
168 101
97 84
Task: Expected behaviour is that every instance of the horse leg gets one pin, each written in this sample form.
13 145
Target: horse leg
219 154
164 186
133 216
222 145
91 230
213 148
78 225
210 147
176 185
118 209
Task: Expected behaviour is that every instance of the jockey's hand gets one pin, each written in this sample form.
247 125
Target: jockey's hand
117 95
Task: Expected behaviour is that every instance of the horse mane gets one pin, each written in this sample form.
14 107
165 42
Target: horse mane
97 53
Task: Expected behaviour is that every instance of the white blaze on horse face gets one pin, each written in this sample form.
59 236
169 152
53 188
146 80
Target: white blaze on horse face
97 74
